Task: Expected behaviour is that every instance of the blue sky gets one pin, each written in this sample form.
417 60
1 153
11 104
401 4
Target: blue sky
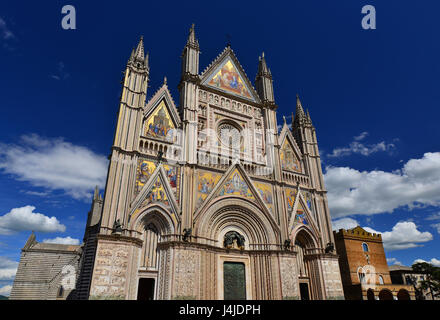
372 94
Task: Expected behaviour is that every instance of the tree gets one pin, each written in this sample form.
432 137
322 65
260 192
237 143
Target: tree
431 281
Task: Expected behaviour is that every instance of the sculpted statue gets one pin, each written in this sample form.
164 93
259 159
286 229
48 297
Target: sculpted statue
232 236
186 234
117 226
330 248
287 244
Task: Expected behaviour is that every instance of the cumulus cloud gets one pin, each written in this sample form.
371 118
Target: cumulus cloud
351 191
5 290
393 261
433 261
54 164
344 223
357 147
21 219
8 268
60 240
404 235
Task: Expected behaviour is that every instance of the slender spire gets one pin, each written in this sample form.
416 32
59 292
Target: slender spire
309 119
263 70
300 116
96 194
139 54
263 81
192 41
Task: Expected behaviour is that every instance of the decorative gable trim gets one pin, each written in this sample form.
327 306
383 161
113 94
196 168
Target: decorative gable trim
311 221
159 172
258 200
163 94
215 66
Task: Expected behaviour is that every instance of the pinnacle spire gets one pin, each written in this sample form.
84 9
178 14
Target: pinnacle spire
96 194
139 54
192 41
299 114
263 70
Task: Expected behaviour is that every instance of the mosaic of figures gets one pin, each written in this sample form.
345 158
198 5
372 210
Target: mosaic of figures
145 170
228 79
206 181
156 194
308 198
289 161
265 191
159 124
300 216
290 197
236 185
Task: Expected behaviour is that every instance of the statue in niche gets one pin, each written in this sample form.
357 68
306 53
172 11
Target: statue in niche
233 240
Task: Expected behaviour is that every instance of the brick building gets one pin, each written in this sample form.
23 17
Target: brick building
364 269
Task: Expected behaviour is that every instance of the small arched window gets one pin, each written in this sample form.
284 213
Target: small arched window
361 275
60 292
365 247
380 280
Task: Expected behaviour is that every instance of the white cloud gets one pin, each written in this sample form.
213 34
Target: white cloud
54 164
353 192
393 261
435 216
6 290
436 226
361 136
344 223
8 268
4 30
60 240
356 147
433 261
21 219
404 235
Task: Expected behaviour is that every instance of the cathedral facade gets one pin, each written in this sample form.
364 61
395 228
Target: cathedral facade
208 199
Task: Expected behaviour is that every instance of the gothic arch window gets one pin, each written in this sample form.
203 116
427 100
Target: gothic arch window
365 247
380 280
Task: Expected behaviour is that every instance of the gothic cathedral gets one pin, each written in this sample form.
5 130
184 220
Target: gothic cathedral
209 199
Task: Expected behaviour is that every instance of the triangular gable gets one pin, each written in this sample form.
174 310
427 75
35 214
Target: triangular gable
157 190
289 155
160 114
301 214
235 182
227 75
146 168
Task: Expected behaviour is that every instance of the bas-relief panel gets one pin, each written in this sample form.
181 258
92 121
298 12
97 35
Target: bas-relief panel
227 78
266 193
159 124
289 160
110 273
145 170
206 181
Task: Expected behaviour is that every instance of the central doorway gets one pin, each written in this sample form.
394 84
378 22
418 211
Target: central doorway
146 289
234 281
304 290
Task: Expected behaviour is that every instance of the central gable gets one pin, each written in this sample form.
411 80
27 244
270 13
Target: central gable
226 74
